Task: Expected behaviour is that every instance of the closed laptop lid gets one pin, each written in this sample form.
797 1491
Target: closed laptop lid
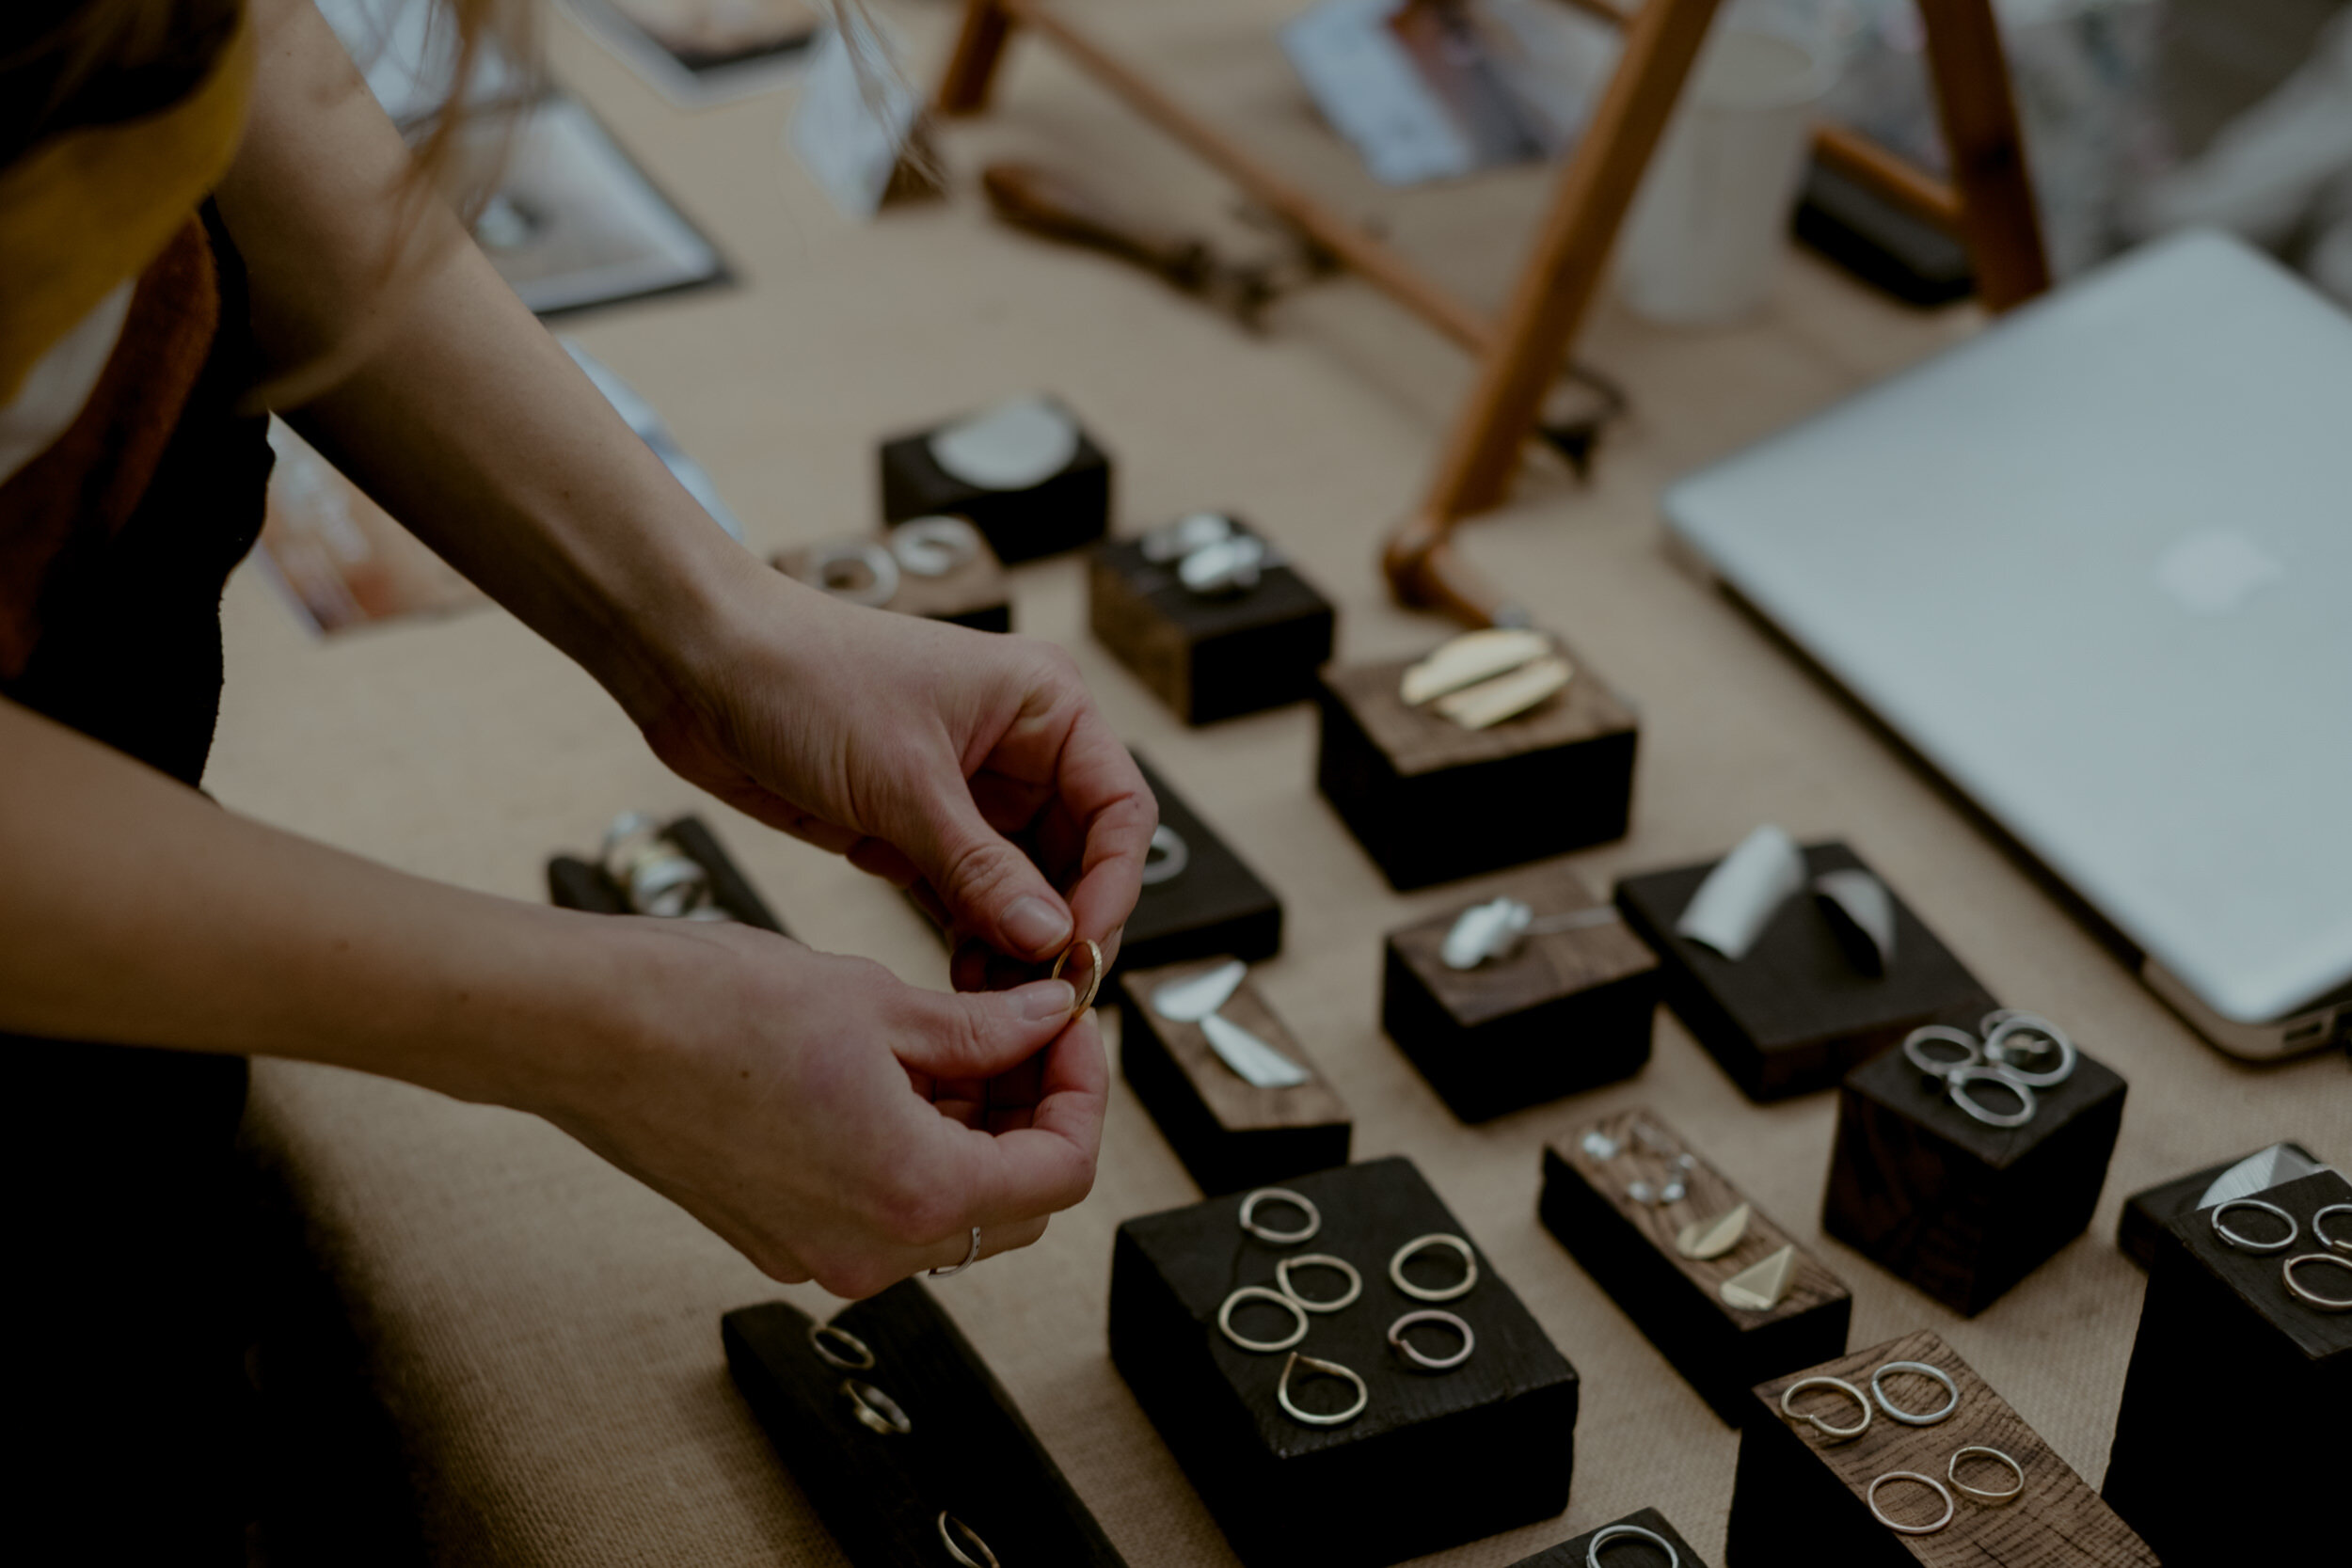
2095 564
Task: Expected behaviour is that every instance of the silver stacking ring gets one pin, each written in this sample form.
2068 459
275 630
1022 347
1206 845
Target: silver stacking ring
1836 1435
1917 1042
1924 1370
827 566
2319 1228
875 1409
1328 1369
1318 1260
2304 1293
2245 1242
1422 1292
950 1528
1259 1293
1419 1357
1167 858
934 546
1267 1232
1952 1473
2002 1047
1631 1533
1930 1482
854 1356
970 1256
1957 1080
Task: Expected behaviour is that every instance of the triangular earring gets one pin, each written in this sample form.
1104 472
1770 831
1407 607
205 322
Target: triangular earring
1759 1286
1704 1239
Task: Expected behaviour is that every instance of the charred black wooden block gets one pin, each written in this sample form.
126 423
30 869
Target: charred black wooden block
1069 508
1621 1551
576 884
1215 906
2139 1230
1210 658
970 594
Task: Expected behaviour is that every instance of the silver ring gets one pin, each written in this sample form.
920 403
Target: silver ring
1924 1370
970 1256
882 571
934 546
1318 1260
1836 1435
1935 1067
947 1539
2319 1228
1328 1369
1176 540
859 1356
1419 1357
1268 1233
1445 1293
670 886
632 835
1634 1533
875 1409
1998 1051
1259 1293
2247 1243
1949 1506
2304 1293
1952 1473
1956 1084
1166 859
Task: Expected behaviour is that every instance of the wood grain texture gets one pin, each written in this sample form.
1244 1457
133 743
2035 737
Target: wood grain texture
1417 740
1210 658
1236 1103
1548 964
1621 1551
973 594
1798 1496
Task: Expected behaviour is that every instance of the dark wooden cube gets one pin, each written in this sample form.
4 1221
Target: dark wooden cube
1621 1551
1800 1497
1210 658
1627 1247
579 884
1437 1458
1061 513
972 594
1569 1011
967 1451
1795 1014
1215 906
1229 1133
1960 1210
1431 801
2233 1427
2139 1230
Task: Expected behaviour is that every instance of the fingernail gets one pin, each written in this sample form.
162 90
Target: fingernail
1035 926
1045 999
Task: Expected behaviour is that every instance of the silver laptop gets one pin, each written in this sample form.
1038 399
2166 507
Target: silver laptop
2095 566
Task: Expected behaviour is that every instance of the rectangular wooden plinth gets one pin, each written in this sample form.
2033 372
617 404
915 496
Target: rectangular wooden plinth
1627 1247
1794 1014
1209 659
1437 1458
1229 1133
1431 801
967 1451
1568 1011
2236 1431
972 594
1070 509
1621 1551
1801 1497
2139 1230
576 884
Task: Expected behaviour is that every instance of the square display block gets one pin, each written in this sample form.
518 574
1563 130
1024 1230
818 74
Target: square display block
1569 1011
1960 1210
2236 1422
1229 1133
1431 801
1795 1015
1800 1497
1628 1248
967 1450
1437 1458
1621 1551
1210 658
576 884
1215 907
1070 509
972 594
2140 1228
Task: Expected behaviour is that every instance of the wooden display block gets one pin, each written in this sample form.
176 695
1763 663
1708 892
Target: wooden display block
2231 1436
1229 1133
1627 1247
1215 907
972 594
967 1450
577 885
1437 1458
1800 1497
2139 1230
1569 1011
1621 1551
1065 511
1210 658
1960 1210
1795 1015
1431 801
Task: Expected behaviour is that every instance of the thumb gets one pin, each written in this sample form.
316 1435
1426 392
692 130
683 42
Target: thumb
981 1033
990 889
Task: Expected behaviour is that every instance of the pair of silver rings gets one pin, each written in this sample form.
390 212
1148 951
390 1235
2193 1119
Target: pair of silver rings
2020 1052
1878 1392
874 1410
861 571
1951 1505
2338 1253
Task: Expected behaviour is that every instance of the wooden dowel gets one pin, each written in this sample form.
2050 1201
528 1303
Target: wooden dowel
1896 178
2000 225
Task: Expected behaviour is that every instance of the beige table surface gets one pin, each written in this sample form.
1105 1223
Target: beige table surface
547 1331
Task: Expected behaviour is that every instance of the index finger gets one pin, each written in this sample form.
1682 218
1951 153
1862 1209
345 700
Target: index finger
1104 793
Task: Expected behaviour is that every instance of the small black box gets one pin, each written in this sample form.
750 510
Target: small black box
1210 658
576 884
1215 905
2139 1228
1061 513
1437 1458
1795 1013
1621 1551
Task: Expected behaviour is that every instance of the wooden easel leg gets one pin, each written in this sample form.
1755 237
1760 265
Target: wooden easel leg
1998 222
1548 305
971 70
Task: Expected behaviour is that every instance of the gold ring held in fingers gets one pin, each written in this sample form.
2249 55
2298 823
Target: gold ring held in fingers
950 1527
1952 1473
875 1409
1834 1433
1328 1369
1319 1261
841 1348
1930 1482
1094 973
1445 1292
1259 1293
1268 1232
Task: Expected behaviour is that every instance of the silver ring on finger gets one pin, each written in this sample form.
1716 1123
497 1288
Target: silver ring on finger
970 1256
